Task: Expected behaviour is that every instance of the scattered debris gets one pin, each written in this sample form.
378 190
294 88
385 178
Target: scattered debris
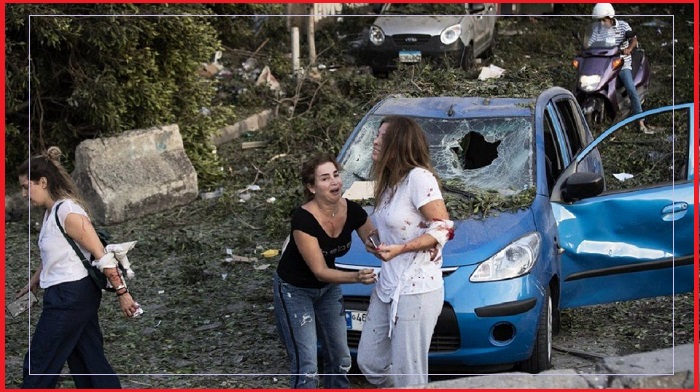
252 187
580 353
270 253
250 64
266 78
622 176
244 197
262 267
242 259
213 68
207 327
491 72
248 145
277 157
212 194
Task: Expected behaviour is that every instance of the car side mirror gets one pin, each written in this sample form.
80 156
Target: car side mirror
476 7
581 186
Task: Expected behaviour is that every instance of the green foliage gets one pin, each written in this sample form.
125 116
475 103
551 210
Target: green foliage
484 204
247 25
95 76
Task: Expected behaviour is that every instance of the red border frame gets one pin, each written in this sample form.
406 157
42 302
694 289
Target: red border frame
696 147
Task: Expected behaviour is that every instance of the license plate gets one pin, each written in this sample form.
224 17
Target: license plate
355 319
409 56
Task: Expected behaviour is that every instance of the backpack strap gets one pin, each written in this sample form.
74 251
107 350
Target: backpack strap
86 263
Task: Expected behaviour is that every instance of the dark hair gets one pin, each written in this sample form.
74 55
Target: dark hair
59 183
404 147
308 171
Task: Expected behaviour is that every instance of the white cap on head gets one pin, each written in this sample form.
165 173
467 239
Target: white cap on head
602 10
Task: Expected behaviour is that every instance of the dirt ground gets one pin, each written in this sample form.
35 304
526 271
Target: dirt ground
208 320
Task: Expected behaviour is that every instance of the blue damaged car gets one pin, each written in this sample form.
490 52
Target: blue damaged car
547 218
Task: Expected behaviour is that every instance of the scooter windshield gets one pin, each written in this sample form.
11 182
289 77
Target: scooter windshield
599 35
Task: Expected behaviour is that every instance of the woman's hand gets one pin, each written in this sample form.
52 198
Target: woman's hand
366 276
24 290
369 246
128 305
33 284
388 252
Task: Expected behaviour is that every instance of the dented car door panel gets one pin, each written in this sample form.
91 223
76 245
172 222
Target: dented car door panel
631 243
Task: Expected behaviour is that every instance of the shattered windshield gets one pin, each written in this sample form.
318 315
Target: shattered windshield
474 155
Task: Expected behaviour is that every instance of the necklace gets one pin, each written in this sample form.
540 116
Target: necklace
332 214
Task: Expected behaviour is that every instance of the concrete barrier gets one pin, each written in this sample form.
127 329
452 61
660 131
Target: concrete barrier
250 123
137 173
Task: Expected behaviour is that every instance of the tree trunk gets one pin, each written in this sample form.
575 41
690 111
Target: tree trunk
310 32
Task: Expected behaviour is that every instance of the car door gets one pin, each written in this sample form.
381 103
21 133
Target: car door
483 20
636 238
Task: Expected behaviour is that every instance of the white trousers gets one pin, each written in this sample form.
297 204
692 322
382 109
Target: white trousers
402 359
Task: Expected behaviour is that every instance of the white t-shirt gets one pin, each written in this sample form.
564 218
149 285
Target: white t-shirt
401 221
613 36
59 261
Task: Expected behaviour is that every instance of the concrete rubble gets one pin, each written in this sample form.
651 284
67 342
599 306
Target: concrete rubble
671 368
137 173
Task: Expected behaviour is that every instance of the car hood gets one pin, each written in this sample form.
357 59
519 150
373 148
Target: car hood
474 240
430 25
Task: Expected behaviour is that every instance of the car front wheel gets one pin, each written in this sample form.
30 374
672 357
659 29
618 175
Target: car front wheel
468 57
541 358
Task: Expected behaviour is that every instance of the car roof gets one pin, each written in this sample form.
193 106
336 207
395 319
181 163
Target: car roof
455 107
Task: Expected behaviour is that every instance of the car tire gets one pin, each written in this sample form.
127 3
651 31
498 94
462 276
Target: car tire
594 118
468 57
541 358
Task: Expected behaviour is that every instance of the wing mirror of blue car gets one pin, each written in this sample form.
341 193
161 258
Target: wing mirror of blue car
581 186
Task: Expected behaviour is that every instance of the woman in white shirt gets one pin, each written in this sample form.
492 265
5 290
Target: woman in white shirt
68 329
413 225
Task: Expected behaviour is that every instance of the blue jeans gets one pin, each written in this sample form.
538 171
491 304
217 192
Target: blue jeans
628 82
309 318
69 331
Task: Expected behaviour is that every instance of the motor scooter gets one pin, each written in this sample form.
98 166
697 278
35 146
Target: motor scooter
599 91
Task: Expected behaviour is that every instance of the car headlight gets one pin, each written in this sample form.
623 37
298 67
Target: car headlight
376 35
450 34
589 82
514 260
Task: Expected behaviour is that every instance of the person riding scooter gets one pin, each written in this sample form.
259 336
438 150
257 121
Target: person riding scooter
616 30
